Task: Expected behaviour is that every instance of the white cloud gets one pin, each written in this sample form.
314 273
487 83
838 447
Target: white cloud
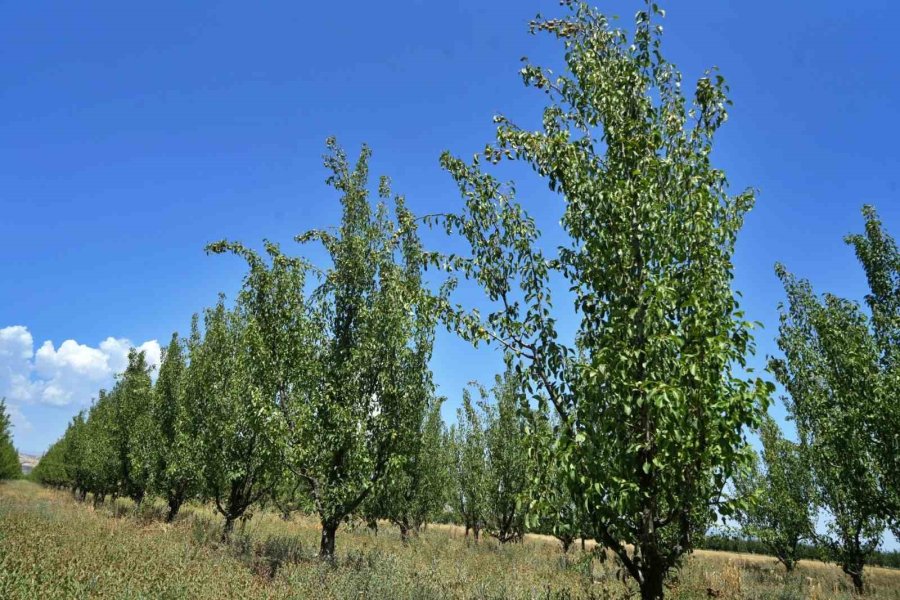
19 422
68 375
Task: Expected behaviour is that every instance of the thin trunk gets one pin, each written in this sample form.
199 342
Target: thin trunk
404 531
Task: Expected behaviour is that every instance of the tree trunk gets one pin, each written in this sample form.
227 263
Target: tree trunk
228 529
174 506
857 582
856 575
404 532
326 547
652 586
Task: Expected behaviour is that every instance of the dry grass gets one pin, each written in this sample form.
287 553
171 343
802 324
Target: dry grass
53 547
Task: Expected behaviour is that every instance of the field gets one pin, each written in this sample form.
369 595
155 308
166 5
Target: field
54 547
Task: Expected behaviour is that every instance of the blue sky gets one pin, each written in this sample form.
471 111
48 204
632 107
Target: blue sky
133 135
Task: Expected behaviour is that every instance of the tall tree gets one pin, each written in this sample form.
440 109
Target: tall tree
781 507
170 450
831 371
652 401
239 459
346 367
880 258
130 402
9 458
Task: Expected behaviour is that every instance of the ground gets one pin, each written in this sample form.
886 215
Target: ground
54 547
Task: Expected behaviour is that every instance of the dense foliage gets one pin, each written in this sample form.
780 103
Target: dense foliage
652 397
9 458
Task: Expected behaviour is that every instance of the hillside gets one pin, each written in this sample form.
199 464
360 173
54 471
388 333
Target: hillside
28 462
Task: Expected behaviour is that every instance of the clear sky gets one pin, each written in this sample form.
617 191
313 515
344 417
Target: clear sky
133 134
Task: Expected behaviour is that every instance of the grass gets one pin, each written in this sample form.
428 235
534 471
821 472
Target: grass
54 547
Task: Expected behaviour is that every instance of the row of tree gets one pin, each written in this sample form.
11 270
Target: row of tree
314 390
841 370
9 458
309 391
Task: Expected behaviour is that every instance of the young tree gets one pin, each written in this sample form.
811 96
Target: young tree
100 465
169 451
51 468
130 402
470 469
508 467
415 488
652 404
551 508
238 455
347 366
781 507
9 457
831 371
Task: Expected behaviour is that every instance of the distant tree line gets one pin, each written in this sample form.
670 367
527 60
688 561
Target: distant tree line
313 392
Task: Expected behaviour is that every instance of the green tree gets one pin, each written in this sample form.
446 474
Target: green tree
9 457
652 404
238 456
469 467
880 258
52 469
130 399
831 371
551 508
97 465
346 367
414 490
170 448
781 508
508 468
